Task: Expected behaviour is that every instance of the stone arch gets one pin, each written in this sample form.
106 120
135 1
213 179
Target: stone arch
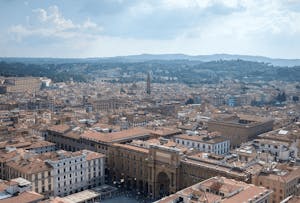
162 184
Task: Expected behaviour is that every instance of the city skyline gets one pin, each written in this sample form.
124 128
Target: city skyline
113 28
150 101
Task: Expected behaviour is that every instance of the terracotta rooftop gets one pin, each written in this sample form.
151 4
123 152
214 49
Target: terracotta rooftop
223 184
207 163
210 191
59 128
39 144
285 174
6 156
29 166
93 155
3 186
166 131
124 135
25 197
58 155
62 154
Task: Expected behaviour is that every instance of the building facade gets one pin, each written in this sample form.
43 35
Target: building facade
283 180
283 151
211 144
58 173
240 128
76 171
158 170
20 84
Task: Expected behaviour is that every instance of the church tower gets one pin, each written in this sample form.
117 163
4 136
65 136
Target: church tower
148 88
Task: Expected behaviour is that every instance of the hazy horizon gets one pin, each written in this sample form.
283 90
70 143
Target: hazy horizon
152 54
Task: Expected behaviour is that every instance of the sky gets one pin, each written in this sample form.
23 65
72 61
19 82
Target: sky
101 28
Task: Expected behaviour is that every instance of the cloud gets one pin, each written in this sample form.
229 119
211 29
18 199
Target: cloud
42 14
89 24
51 23
201 4
54 17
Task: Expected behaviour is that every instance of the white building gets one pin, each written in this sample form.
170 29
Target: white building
211 143
76 171
280 149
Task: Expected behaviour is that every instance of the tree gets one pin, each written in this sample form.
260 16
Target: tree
295 98
189 101
281 97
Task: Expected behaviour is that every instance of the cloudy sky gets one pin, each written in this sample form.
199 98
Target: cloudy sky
95 28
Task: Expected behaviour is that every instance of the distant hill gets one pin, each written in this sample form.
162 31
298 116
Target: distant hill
207 58
165 68
156 57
